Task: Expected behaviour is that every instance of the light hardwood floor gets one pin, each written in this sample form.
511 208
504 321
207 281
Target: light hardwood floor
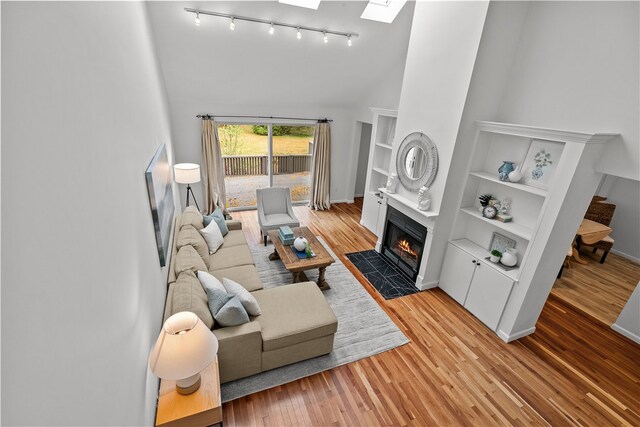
572 371
600 290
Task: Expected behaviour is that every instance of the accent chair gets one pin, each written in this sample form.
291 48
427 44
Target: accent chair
275 210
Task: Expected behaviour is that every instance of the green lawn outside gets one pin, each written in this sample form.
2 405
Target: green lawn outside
253 144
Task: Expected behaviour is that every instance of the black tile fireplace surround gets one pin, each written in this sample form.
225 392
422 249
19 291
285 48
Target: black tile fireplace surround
403 242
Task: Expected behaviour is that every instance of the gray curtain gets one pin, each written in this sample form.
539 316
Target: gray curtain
213 174
321 168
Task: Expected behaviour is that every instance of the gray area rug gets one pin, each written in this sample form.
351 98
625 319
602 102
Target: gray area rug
364 329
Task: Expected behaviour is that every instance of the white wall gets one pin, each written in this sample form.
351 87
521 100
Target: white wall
442 51
491 70
577 68
625 194
84 111
628 323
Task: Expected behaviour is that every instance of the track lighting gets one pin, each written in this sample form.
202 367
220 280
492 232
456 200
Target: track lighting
273 24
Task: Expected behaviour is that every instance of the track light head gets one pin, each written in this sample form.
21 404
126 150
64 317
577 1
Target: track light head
349 40
271 29
232 24
298 34
197 18
325 38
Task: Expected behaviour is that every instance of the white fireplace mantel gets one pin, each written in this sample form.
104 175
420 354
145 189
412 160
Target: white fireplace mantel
426 218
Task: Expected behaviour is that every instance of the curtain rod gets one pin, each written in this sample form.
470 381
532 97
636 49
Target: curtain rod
211 116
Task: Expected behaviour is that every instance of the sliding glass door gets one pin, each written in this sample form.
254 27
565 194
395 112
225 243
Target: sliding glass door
265 155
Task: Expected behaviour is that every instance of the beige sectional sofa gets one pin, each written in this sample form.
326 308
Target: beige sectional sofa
296 321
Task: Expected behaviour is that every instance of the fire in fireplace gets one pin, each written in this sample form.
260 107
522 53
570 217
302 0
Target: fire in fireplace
403 242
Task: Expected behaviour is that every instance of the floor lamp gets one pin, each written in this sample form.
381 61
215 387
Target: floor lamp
187 173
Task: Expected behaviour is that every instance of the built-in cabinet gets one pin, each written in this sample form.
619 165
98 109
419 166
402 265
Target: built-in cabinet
538 206
476 284
382 135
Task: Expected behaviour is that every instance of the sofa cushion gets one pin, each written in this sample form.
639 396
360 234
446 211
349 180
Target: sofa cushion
188 235
234 238
246 275
188 295
188 259
293 314
230 257
239 351
232 313
191 216
248 301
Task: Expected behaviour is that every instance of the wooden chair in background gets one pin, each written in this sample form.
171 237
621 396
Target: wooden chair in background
600 212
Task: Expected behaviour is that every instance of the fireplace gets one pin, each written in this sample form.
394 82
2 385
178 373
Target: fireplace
403 242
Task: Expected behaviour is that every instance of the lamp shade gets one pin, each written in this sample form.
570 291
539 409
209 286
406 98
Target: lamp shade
184 348
186 173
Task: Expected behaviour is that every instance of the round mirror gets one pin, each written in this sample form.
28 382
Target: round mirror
417 161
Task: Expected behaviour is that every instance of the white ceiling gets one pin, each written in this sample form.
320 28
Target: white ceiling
250 67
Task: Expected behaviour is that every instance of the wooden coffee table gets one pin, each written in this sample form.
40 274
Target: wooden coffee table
298 266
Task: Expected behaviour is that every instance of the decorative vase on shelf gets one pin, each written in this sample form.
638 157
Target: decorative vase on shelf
392 183
515 176
509 258
424 201
300 244
505 170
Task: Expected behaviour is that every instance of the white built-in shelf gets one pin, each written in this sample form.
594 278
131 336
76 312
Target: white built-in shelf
413 204
479 252
380 171
522 187
385 146
511 227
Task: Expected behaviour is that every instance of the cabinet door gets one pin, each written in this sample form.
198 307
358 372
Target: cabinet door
488 295
370 208
456 274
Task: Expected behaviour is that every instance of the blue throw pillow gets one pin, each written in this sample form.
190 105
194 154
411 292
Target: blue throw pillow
217 299
218 217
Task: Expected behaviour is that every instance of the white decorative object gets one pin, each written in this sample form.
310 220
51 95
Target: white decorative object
424 201
300 243
516 175
509 258
392 183
494 258
212 236
540 163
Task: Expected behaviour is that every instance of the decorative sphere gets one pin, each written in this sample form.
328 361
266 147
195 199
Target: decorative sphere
300 243
515 176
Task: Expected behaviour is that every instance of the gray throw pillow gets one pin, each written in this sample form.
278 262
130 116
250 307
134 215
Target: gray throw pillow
216 299
232 313
218 217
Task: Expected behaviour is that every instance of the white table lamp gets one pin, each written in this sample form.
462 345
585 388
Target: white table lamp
187 173
184 348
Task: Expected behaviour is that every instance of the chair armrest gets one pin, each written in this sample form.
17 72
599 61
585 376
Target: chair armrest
234 225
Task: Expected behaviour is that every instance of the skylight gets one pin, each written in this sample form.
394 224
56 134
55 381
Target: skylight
309 4
382 10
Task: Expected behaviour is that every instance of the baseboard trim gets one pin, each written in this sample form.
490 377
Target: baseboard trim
342 201
428 285
508 338
627 256
626 333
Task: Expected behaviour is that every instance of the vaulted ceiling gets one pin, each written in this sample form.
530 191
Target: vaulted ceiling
250 67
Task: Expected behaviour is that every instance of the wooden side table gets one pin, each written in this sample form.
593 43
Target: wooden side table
201 408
